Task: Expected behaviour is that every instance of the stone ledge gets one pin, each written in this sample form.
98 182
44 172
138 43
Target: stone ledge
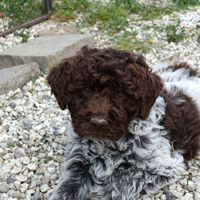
16 77
44 50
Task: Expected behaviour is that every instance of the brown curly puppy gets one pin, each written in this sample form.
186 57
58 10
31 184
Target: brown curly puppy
104 91
131 127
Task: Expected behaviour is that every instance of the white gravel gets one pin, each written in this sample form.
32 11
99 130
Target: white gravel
32 127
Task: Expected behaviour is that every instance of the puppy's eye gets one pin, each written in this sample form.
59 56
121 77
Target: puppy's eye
121 94
86 90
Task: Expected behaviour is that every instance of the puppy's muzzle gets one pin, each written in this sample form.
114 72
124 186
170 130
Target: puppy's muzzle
98 123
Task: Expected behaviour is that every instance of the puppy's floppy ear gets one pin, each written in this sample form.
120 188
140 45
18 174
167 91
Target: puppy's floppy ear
59 77
151 86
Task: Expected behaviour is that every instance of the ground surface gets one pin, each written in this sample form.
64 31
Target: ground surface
32 127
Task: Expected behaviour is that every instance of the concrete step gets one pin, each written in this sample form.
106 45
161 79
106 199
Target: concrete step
44 50
16 77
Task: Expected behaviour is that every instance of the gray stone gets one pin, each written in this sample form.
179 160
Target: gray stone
19 152
32 167
38 173
28 151
15 77
38 182
47 98
5 175
45 50
1 43
54 177
51 169
21 178
56 132
10 142
10 192
60 159
44 188
27 126
33 184
37 196
6 127
191 186
17 195
26 88
12 105
4 187
16 170
169 195
1 102
25 160
45 180
10 180
20 95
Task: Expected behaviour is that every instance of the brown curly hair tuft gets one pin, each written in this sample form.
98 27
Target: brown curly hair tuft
104 90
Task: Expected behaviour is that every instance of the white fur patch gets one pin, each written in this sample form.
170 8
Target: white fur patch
141 162
145 148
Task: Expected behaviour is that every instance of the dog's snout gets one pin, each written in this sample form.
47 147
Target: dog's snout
98 122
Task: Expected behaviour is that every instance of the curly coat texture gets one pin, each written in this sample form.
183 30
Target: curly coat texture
131 127
106 73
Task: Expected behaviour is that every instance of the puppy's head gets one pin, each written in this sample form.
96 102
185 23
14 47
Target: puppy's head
104 90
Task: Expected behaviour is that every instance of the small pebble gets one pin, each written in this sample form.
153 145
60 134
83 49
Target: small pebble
21 178
44 188
10 180
36 196
12 105
4 187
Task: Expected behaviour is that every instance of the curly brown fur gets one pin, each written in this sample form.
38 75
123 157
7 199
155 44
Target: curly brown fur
134 129
182 119
107 74
192 72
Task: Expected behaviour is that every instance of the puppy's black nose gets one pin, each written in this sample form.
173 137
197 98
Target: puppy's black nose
98 122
